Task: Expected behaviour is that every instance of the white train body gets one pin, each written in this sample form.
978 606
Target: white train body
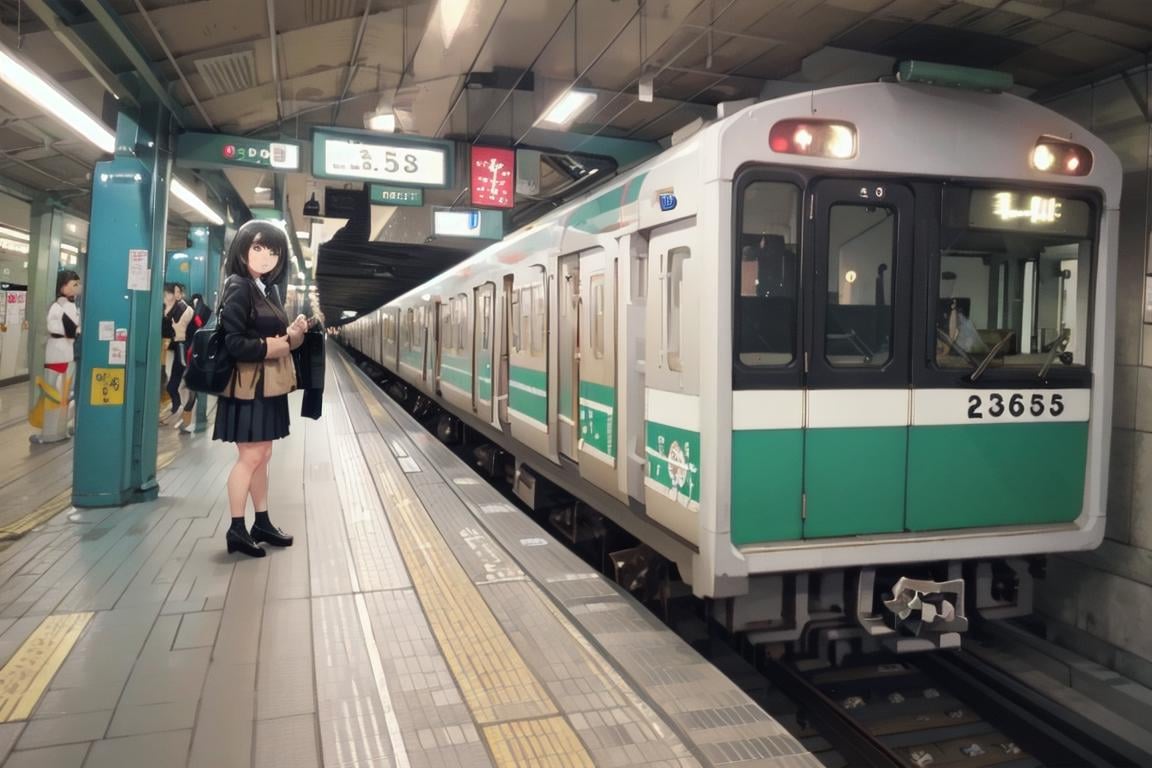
663 348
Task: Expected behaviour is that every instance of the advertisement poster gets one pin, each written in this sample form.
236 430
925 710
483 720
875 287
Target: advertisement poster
493 177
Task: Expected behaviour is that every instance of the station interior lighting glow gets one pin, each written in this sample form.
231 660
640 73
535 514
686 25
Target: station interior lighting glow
48 96
566 108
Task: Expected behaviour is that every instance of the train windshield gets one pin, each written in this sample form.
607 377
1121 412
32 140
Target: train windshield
1013 280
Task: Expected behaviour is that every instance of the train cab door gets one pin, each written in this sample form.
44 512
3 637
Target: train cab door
568 314
483 335
858 274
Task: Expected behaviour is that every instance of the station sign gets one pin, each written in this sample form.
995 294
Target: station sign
382 194
469 222
218 150
493 177
339 153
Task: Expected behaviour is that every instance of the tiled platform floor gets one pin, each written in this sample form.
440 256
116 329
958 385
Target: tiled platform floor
419 620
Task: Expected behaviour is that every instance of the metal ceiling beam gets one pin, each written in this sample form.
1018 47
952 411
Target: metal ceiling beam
113 26
80 49
275 58
172 59
352 61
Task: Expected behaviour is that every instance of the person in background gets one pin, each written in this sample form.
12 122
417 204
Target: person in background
59 360
178 315
252 411
201 314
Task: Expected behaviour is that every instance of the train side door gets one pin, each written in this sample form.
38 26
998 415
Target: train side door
568 313
505 351
858 277
484 332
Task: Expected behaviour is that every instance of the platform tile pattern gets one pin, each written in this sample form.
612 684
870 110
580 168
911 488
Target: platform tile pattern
407 627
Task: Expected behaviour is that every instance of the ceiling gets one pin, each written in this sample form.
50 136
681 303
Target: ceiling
278 67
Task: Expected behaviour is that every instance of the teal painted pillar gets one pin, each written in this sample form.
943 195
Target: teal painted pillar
117 401
47 228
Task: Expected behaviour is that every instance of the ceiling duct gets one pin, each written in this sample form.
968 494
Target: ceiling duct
323 11
231 73
501 78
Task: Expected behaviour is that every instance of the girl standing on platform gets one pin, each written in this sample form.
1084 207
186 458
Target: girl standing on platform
253 409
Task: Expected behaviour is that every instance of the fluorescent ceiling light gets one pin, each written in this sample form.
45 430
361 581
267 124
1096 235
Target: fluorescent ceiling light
9 232
304 235
451 14
188 196
385 122
48 96
565 109
348 313
262 190
69 248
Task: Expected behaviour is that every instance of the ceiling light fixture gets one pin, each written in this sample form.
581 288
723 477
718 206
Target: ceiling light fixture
14 233
385 122
451 14
189 197
564 110
42 92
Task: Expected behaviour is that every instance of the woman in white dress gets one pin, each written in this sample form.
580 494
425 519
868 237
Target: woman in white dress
60 358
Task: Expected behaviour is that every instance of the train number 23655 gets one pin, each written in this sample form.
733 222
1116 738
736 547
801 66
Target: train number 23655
1014 406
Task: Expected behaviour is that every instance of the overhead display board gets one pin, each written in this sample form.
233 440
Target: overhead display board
468 222
339 153
219 150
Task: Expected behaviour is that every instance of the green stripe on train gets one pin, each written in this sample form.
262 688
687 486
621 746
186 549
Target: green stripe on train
954 477
598 424
767 467
673 459
484 382
533 404
996 474
603 212
456 371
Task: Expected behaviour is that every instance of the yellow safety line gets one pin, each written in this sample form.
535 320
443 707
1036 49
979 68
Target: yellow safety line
27 674
497 684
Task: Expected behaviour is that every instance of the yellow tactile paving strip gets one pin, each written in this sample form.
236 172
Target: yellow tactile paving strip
25 677
549 741
495 681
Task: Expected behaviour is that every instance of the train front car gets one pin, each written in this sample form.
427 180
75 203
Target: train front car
918 282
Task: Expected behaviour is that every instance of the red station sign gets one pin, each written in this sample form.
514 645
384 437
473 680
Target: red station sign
493 177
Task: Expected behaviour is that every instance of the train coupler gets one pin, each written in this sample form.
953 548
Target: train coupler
931 610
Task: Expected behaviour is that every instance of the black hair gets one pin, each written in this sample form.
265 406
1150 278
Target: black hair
63 277
271 236
170 288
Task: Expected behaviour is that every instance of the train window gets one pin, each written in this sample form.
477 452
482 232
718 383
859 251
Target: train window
596 310
858 318
1014 280
485 320
673 283
767 274
539 317
462 326
516 319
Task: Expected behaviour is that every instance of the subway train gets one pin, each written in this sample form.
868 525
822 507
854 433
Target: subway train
844 357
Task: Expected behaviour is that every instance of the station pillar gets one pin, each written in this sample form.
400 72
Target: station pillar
118 387
47 230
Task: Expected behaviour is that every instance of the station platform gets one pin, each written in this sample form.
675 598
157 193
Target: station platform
419 620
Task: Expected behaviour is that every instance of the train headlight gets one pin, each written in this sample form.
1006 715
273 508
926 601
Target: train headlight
1052 155
815 138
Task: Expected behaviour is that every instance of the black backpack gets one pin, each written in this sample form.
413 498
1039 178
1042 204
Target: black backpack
209 365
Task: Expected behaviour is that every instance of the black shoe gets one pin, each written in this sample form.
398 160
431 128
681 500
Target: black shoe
240 541
272 535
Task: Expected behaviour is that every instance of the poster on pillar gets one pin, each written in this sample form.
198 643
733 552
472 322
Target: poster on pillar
493 177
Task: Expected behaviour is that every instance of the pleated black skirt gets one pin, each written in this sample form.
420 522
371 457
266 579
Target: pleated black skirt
251 421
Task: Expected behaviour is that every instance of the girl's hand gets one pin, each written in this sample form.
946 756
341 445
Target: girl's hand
278 346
